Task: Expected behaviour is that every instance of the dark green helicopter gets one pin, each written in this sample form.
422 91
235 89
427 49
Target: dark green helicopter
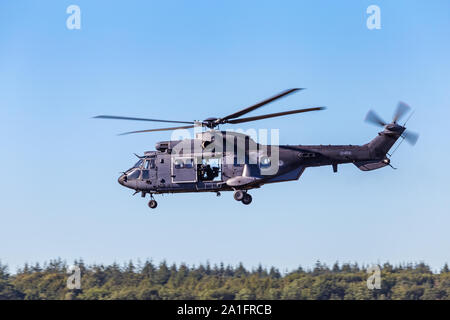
216 161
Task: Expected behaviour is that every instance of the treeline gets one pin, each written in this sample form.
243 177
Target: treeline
163 281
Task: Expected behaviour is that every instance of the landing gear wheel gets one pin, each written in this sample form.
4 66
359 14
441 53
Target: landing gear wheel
152 204
238 195
247 199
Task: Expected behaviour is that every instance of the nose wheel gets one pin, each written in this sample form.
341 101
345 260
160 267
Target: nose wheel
242 196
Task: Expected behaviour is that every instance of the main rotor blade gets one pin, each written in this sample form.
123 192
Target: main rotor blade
141 119
273 115
159 129
411 137
258 105
402 109
373 118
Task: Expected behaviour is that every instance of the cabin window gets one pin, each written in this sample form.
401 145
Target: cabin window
184 163
188 163
178 163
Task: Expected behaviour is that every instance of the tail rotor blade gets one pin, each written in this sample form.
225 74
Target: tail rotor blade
411 137
402 109
373 118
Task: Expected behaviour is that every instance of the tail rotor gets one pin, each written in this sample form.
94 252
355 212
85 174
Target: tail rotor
400 112
402 109
373 118
411 137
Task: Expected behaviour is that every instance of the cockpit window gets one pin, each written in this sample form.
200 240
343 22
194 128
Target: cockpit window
134 174
138 164
145 175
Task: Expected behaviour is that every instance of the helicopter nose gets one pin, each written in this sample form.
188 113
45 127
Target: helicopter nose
122 180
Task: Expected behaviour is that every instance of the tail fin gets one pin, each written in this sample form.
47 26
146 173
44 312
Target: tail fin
380 146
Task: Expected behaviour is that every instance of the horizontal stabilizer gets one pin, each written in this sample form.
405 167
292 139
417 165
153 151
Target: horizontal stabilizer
370 165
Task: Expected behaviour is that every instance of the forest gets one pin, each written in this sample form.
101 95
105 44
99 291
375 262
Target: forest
163 281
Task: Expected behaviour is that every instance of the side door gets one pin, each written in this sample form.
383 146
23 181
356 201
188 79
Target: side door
149 172
184 169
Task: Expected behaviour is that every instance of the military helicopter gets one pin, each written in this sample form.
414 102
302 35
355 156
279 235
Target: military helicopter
216 161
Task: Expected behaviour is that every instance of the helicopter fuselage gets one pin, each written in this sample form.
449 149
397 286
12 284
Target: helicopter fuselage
212 167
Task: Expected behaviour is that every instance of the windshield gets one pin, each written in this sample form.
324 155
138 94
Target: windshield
133 174
138 164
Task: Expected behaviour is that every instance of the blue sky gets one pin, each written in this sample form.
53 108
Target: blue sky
191 60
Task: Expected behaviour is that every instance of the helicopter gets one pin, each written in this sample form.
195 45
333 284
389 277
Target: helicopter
217 161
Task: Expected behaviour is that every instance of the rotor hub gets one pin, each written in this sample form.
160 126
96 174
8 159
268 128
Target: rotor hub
211 122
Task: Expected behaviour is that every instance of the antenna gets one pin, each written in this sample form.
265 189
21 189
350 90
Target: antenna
397 146
409 117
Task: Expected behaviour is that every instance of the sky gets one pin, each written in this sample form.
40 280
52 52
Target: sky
190 60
